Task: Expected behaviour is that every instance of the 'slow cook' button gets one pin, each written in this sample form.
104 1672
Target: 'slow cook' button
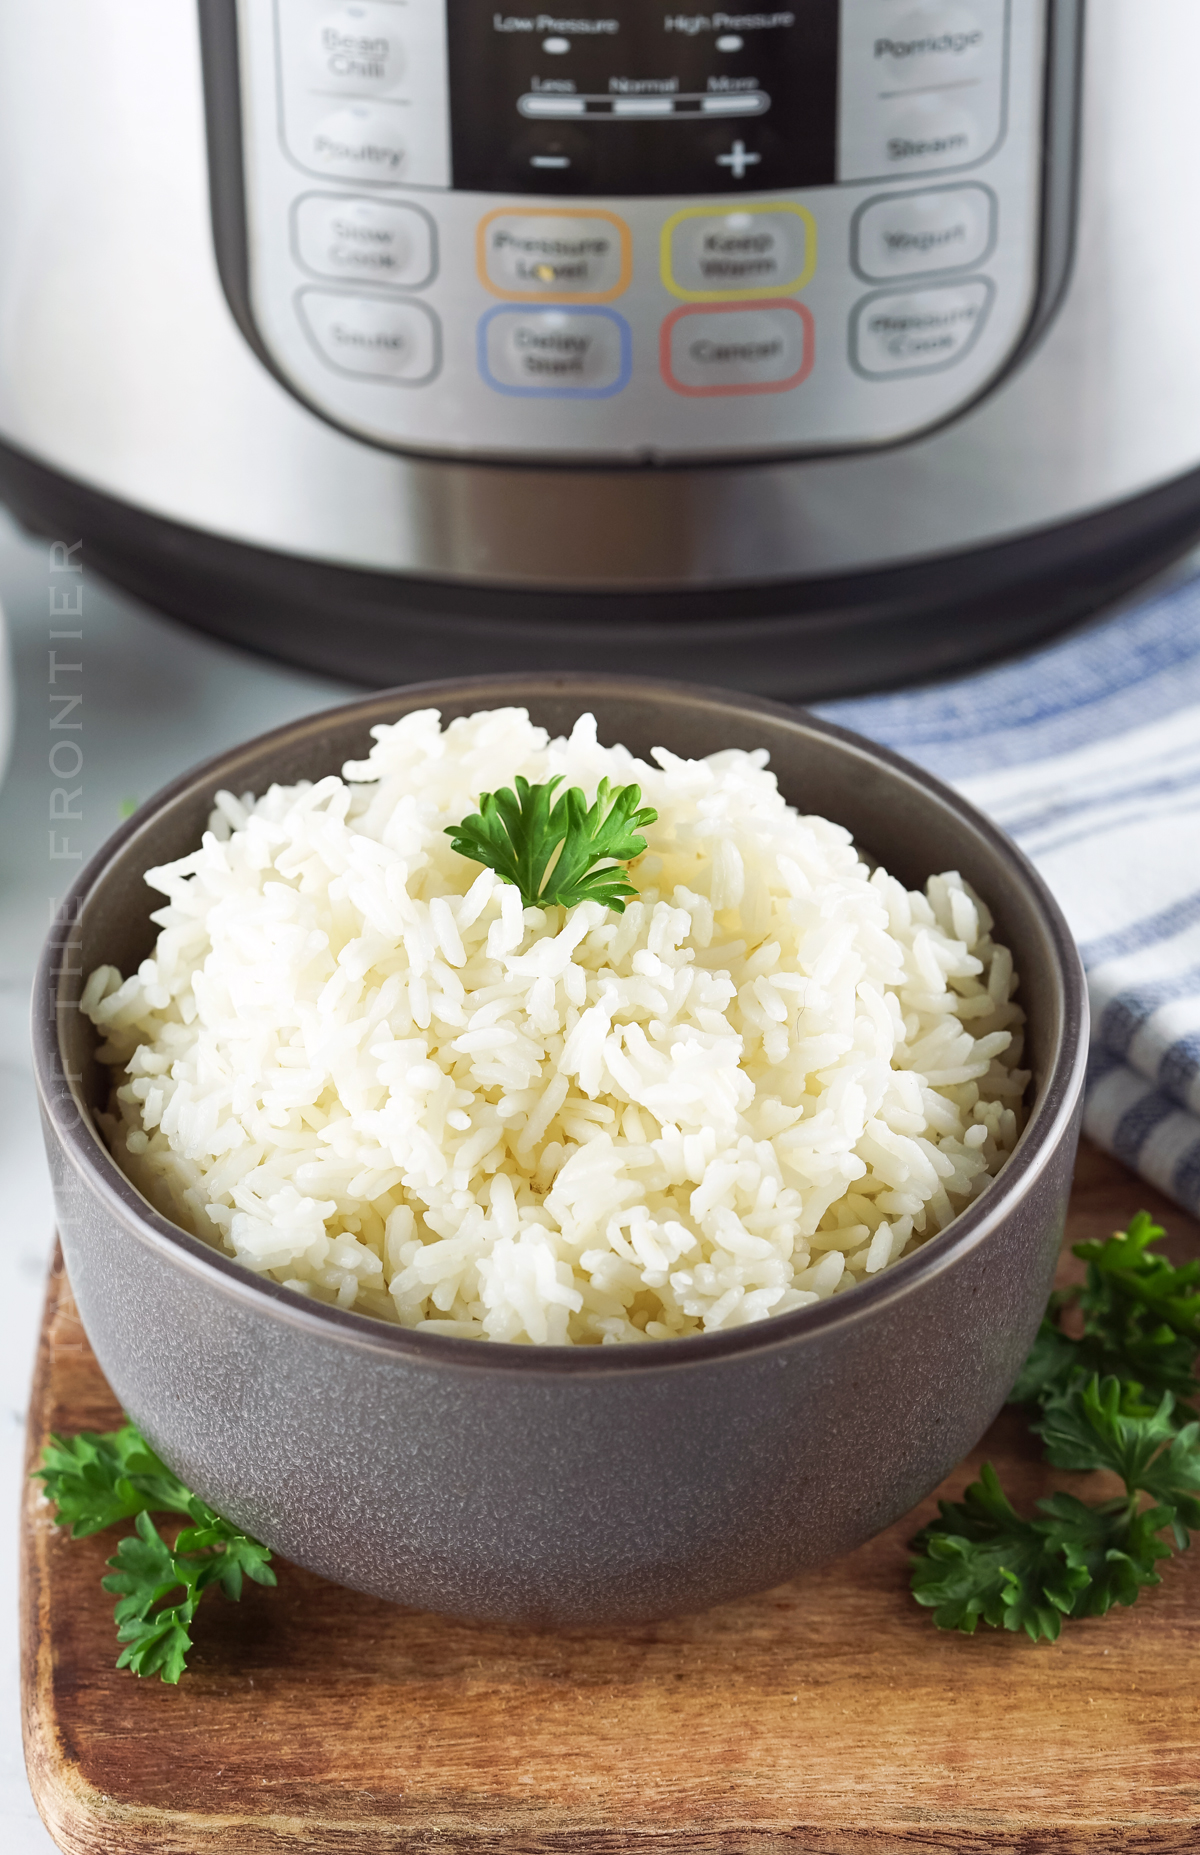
567 254
714 253
941 229
363 141
756 348
375 241
555 353
372 336
920 331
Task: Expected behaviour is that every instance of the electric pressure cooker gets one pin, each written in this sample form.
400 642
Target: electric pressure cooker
802 349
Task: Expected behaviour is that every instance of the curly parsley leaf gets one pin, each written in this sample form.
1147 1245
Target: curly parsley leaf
96 1480
558 850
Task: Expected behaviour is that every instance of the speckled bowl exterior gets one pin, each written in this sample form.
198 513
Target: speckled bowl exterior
564 1485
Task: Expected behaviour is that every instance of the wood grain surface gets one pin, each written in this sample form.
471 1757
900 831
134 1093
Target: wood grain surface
827 1716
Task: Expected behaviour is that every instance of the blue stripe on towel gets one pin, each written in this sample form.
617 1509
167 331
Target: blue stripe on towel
1137 1124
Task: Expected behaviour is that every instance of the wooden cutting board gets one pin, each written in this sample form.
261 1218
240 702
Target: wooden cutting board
828 1716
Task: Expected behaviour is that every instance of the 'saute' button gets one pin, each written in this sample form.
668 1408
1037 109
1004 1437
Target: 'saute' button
373 336
762 347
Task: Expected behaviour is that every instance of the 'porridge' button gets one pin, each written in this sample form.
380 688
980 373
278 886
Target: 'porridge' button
931 45
920 331
372 336
360 142
755 348
555 353
942 229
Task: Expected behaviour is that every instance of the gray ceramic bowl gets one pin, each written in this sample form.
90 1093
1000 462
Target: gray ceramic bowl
559 1484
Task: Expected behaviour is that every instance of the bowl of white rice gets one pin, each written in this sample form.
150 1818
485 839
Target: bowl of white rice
561 1262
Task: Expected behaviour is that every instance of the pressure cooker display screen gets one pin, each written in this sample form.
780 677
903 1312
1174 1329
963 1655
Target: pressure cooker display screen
631 99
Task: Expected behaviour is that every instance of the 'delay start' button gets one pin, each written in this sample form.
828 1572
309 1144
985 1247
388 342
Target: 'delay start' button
920 331
710 254
764 347
372 335
582 255
555 353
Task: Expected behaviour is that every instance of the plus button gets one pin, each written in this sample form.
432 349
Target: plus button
738 160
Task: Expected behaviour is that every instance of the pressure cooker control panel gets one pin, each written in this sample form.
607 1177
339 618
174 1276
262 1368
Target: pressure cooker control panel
631 233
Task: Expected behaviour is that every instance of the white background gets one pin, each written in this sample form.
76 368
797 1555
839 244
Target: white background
156 699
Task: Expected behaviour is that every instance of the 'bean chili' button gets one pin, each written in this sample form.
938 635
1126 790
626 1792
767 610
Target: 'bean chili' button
764 347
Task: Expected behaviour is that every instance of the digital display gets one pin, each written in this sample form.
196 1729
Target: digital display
631 99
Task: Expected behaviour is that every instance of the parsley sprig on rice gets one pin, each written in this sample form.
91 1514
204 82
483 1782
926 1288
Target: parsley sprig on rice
359 1065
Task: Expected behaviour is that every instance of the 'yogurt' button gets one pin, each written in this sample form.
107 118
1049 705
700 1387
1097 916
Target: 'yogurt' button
920 331
361 142
947 228
372 336
927 132
738 253
373 240
560 353
931 45
554 254
358 48
755 348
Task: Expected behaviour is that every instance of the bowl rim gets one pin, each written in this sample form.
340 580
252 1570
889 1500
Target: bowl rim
69 1119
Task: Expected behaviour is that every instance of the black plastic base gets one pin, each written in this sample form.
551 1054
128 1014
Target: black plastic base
808 640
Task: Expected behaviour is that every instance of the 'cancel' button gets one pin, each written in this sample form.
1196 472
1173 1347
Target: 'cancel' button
762 347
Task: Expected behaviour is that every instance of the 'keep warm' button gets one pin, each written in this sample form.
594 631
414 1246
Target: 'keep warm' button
555 353
762 347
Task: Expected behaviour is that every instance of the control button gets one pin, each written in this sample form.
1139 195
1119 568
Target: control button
357 48
373 240
755 348
931 45
710 254
942 229
927 132
580 254
363 141
555 353
372 336
920 331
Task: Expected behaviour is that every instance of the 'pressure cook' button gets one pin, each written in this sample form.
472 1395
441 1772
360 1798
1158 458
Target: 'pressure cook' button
919 332
360 142
358 48
372 240
927 132
555 353
713 255
931 45
942 229
572 253
755 348
373 336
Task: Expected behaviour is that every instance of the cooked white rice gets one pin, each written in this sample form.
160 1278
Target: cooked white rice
357 1064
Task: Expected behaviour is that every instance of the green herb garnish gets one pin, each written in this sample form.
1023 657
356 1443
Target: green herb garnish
1109 1400
518 833
96 1480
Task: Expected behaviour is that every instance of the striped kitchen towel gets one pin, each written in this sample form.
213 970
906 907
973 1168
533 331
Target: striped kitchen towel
1088 754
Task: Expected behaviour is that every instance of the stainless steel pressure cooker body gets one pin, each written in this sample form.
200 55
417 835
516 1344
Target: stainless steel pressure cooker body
804 348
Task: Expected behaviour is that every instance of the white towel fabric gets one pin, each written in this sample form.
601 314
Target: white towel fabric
1088 755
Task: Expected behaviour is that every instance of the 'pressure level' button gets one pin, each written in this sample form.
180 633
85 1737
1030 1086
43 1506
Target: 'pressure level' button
555 353
583 255
919 331
373 336
754 348
710 254
363 141
375 241
939 229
